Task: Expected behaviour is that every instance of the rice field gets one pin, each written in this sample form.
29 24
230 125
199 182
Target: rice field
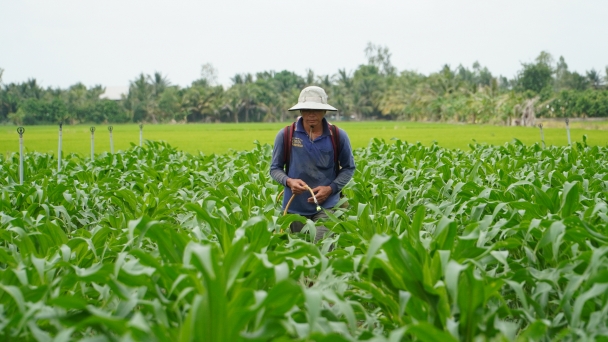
221 138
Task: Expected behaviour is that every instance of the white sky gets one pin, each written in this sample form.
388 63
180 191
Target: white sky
110 42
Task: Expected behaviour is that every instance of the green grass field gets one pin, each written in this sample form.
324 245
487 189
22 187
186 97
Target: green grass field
221 138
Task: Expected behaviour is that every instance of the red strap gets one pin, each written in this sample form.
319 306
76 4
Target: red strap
287 136
335 141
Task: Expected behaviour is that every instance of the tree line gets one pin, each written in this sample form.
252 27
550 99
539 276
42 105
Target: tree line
376 90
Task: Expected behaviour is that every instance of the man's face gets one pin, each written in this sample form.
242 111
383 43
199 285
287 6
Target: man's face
312 117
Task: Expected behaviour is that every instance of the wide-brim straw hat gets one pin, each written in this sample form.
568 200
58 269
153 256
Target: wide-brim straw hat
313 98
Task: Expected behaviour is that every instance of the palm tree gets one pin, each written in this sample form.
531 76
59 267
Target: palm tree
310 77
594 78
368 86
268 99
326 82
138 101
400 95
342 94
247 94
158 83
445 81
31 89
202 102
77 101
232 104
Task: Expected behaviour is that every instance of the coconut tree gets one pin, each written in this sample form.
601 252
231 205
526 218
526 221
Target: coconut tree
158 84
78 102
397 100
268 99
368 86
244 92
202 103
594 78
342 92
139 100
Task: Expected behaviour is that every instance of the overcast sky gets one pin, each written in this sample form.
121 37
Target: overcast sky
110 42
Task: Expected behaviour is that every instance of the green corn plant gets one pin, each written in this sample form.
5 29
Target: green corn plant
497 242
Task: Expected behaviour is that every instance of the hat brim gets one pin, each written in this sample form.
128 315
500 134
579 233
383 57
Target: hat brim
312 105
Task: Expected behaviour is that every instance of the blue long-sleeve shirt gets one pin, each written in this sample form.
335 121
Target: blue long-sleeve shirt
312 162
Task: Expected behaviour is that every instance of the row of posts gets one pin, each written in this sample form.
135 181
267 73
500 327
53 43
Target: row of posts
21 130
542 135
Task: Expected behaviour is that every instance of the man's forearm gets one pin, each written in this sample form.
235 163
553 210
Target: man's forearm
279 175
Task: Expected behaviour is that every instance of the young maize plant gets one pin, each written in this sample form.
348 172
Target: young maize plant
492 243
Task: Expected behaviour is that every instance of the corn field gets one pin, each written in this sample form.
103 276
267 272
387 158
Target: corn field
502 243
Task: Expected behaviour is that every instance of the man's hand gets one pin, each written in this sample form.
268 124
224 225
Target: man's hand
297 186
321 193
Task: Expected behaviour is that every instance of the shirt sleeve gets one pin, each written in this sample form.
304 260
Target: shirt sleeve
277 165
347 163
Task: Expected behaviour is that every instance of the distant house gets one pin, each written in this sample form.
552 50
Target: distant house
114 93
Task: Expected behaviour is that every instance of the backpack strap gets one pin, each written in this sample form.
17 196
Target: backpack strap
335 142
287 135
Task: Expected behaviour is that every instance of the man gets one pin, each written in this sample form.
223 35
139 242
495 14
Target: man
311 160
